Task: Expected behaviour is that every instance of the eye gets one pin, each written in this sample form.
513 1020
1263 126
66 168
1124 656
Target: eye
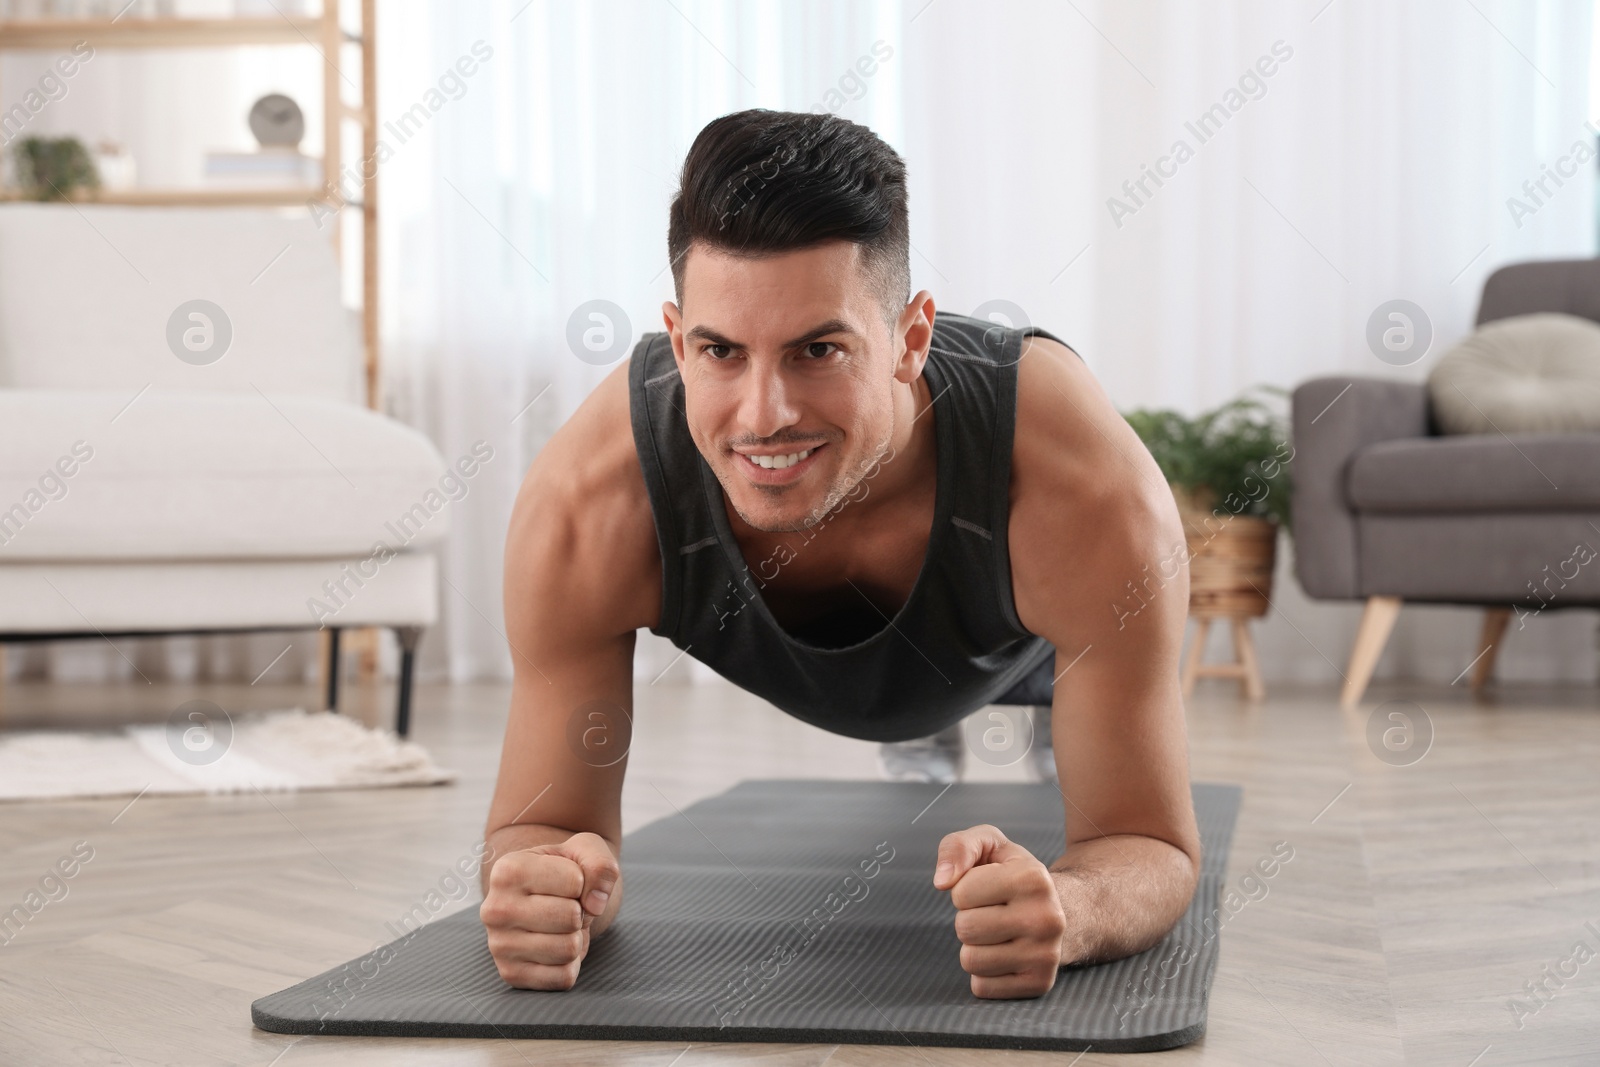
711 351
813 354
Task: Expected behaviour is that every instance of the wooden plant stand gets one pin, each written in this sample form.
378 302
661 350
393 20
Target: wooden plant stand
1231 560
1243 666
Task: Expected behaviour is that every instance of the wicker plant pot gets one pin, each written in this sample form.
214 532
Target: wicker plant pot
1231 560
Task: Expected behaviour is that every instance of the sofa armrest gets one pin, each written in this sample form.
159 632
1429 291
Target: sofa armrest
1332 418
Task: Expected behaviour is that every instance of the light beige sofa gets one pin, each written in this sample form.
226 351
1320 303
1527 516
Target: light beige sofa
167 467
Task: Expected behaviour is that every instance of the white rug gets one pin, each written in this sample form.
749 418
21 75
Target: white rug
275 750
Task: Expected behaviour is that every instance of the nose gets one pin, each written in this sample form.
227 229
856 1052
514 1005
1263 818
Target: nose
766 402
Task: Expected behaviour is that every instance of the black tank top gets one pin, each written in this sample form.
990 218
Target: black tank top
957 643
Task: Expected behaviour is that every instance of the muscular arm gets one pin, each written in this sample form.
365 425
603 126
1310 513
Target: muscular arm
1093 524
582 573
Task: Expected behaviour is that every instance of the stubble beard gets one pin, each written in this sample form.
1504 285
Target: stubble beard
842 487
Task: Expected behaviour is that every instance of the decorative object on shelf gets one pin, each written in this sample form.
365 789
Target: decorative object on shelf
115 165
279 125
203 9
269 168
1228 470
277 122
52 168
267 9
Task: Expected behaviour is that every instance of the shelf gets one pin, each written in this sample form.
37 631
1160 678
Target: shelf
289 197
37 34
326 34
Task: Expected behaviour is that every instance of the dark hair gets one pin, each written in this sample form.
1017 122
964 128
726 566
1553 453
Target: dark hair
759 182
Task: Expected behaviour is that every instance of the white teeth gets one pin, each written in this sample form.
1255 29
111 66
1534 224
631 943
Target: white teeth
773 463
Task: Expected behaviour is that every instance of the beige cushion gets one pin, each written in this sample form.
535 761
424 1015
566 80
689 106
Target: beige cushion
1529 373
179 475
87 292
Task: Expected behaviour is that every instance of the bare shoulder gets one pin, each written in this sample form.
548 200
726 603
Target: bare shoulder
581 556
1089 506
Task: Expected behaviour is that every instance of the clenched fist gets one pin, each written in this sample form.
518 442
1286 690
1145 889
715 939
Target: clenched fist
1008 915
540 905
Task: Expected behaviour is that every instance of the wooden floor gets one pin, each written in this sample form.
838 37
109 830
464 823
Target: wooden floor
1420 899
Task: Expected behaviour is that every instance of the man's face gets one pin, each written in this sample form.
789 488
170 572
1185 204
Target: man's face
789 375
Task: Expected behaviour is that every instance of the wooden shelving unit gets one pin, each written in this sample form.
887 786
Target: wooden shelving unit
323 32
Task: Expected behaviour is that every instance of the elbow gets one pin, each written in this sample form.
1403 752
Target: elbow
1184 882
1185 858
1193 860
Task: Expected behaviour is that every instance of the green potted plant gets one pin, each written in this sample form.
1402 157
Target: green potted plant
1232 460
1229 472
52 168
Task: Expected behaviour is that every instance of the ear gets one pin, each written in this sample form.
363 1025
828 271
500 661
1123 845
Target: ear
673 319
913 336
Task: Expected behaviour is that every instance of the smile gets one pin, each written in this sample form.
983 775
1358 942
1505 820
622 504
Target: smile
772 463
776 470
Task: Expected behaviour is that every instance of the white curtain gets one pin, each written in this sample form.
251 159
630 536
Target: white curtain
1355 151
546 186
1374 162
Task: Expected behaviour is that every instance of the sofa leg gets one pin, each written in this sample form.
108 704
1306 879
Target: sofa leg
1376 622
408 637
1494 628
367 639
333 669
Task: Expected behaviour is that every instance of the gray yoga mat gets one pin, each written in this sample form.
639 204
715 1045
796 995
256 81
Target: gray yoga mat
791 910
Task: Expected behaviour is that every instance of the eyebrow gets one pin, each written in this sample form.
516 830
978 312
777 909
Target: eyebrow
832 326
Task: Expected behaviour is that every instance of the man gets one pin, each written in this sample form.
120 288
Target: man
878 518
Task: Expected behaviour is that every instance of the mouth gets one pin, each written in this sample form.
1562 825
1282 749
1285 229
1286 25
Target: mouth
777 468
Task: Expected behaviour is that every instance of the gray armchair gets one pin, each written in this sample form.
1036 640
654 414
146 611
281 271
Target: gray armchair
1387 510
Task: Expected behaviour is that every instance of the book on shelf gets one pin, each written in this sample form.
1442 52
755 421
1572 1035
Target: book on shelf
262 168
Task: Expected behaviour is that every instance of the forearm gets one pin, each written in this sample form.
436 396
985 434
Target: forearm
1121 894
519 836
